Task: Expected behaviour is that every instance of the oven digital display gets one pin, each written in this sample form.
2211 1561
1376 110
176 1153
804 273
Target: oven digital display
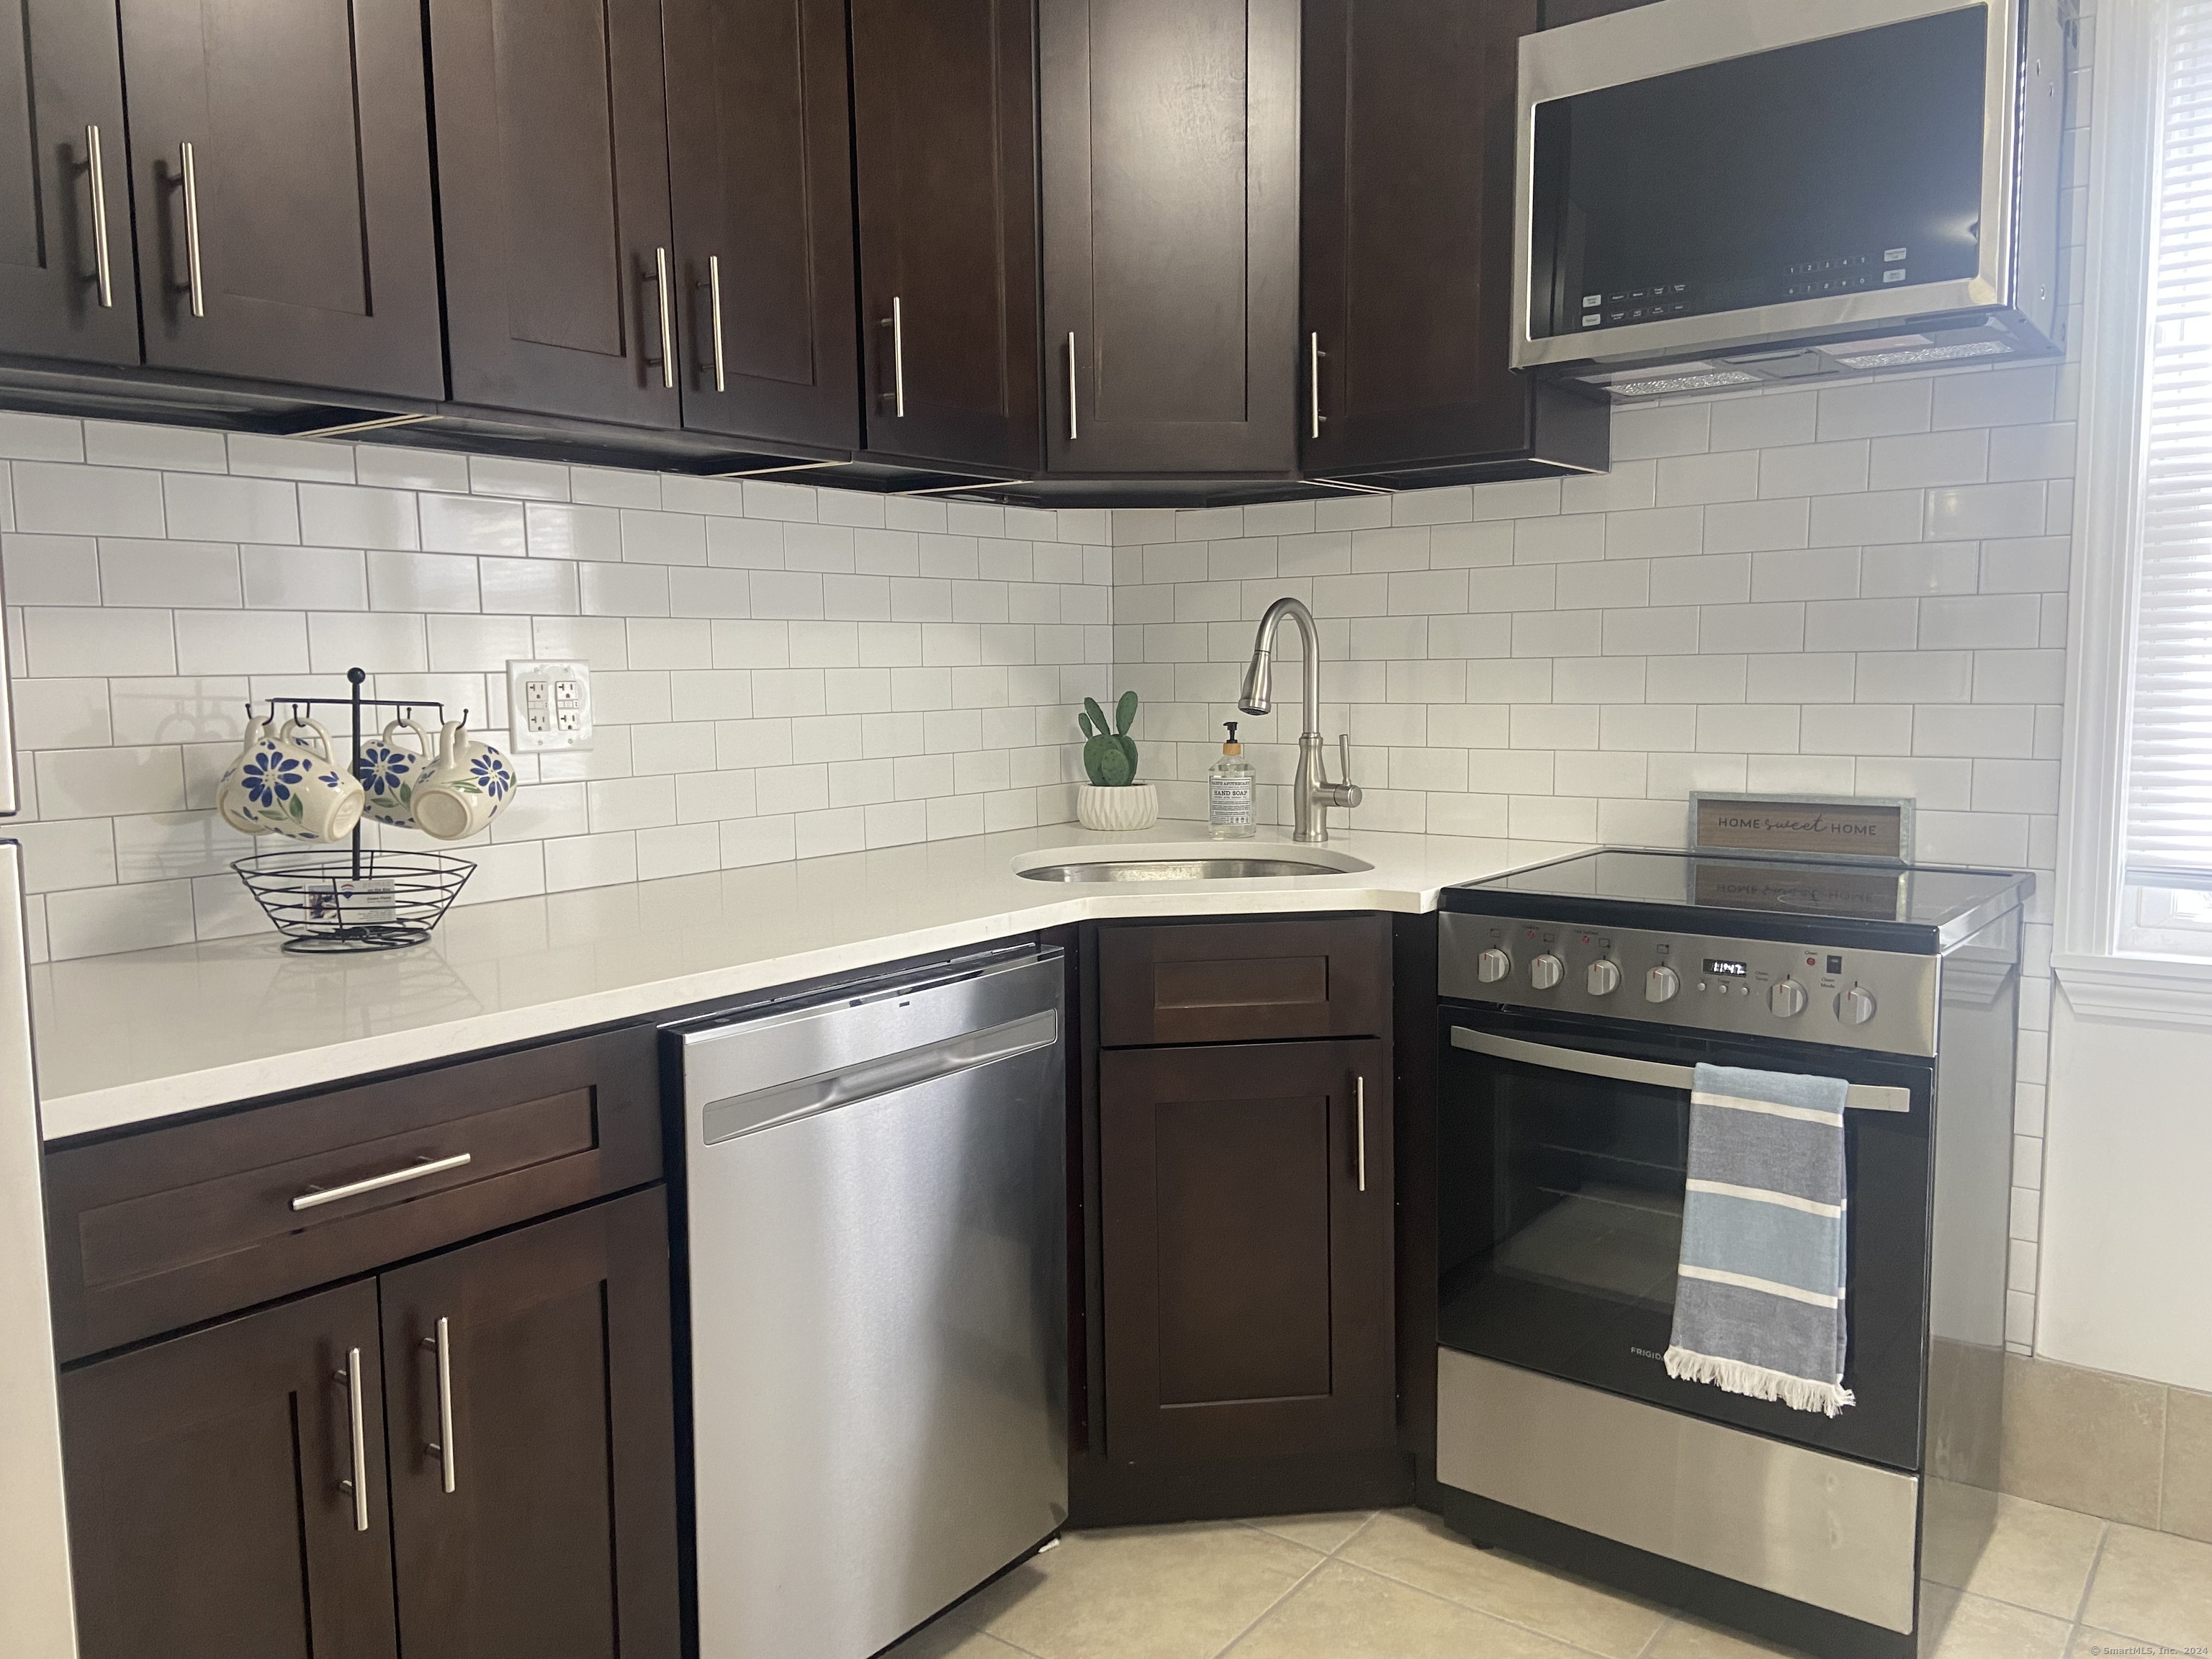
1726 969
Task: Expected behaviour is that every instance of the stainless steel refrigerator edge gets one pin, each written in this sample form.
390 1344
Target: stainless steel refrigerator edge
876 1195
38 1619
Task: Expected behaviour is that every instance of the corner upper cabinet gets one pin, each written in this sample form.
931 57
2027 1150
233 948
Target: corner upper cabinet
280 180
945 161
553 187
1171 163
1408 252
760 164
67 279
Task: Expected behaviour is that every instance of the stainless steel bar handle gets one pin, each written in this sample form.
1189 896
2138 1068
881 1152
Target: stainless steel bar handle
1313 381
715 307
96 171
1359 1099
358 1485
190 170
443 1448
1864 1098
315 1197
898 358
1073 432
667 320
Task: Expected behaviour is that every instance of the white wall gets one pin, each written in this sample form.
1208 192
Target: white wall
777 668
2127 1209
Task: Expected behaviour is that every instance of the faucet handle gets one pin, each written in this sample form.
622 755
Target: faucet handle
1345 791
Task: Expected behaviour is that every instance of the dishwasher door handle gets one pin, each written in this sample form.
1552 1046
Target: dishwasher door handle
763 1109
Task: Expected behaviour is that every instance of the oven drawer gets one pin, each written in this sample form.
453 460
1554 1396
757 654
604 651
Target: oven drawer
159 1230
1243 982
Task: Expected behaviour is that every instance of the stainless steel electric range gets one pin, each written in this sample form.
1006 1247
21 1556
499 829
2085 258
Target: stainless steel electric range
1574 998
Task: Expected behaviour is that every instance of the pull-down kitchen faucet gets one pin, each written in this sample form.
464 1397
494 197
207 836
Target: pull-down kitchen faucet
1311 792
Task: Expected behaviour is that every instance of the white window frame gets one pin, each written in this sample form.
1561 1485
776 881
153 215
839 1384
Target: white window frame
2101 978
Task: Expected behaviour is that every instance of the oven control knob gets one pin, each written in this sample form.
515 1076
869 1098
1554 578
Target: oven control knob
1787 999
1545 971
1661 984
1492 966
1604 977
1855 1005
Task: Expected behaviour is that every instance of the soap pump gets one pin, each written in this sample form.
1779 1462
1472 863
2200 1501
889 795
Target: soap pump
1229 792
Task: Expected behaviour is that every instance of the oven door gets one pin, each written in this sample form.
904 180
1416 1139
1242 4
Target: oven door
1561 1169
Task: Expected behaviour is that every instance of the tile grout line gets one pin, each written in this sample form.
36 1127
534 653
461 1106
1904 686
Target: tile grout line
1267 1612
2096 1565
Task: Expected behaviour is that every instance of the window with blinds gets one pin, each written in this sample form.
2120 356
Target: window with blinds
2169 795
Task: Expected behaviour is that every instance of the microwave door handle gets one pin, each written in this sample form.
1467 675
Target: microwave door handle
1864 1097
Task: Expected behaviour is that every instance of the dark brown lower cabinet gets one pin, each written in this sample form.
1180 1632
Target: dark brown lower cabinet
1247 1244
207 1516
211 1509
533 1490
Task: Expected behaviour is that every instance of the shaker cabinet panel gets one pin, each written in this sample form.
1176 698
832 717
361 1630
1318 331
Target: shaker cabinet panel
945 161
282 174
207 1520
533 1454
62 71
760 162
1407 247
553 182
1169 163
1246 1228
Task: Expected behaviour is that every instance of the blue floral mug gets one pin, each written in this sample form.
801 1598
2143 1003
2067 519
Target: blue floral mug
286 784
392 772
469 787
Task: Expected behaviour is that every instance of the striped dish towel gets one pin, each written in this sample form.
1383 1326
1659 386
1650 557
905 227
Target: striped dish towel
1759 1304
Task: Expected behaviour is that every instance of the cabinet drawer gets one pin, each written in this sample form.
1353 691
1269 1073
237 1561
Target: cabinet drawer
1243 982
156 1230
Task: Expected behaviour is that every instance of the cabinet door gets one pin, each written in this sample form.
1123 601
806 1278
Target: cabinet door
760 166
206 1519
944 137
1171 165
1246 1237
533 1459
553 186
60 64
298 245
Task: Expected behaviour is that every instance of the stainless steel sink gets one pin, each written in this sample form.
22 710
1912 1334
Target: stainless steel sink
1177 869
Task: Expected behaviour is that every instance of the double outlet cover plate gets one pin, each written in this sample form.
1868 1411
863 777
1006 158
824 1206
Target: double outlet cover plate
549 706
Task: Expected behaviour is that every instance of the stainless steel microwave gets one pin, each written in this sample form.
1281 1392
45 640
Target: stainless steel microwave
1712 193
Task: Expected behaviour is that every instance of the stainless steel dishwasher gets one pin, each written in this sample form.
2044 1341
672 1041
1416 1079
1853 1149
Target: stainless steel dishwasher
876 1196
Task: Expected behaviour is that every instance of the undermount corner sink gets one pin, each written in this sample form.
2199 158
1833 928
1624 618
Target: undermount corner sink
1206 860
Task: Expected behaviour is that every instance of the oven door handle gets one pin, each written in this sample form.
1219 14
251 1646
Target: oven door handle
1864 1097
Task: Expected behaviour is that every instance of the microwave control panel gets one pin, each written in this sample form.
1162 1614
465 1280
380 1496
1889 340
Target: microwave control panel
1880 1000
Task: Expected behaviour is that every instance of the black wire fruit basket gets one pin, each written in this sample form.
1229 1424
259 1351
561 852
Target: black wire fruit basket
339 899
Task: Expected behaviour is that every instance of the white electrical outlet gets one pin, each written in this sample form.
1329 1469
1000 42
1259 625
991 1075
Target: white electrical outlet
549 706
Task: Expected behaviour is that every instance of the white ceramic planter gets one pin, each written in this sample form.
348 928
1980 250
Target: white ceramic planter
1132 806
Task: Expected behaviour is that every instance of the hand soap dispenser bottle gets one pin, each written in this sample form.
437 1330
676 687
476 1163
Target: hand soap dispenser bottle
1229 792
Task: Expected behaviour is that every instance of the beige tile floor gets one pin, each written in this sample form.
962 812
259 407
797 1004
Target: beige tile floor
2050 1584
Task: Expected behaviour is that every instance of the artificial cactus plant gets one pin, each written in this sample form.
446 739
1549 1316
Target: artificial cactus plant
1110 753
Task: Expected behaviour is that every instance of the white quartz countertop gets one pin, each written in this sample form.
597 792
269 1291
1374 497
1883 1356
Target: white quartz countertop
127 1039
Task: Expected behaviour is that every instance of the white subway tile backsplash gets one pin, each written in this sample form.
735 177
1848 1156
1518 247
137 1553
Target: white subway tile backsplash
87 500
180 574
226 509
50 570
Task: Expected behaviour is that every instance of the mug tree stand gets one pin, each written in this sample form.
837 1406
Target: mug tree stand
362 898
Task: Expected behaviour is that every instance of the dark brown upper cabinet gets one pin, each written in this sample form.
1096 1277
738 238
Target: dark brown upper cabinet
560 288
212 1511
69 285
760 162
945 164
280 172
1246 1225
533 1480
1170 158
1407 249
